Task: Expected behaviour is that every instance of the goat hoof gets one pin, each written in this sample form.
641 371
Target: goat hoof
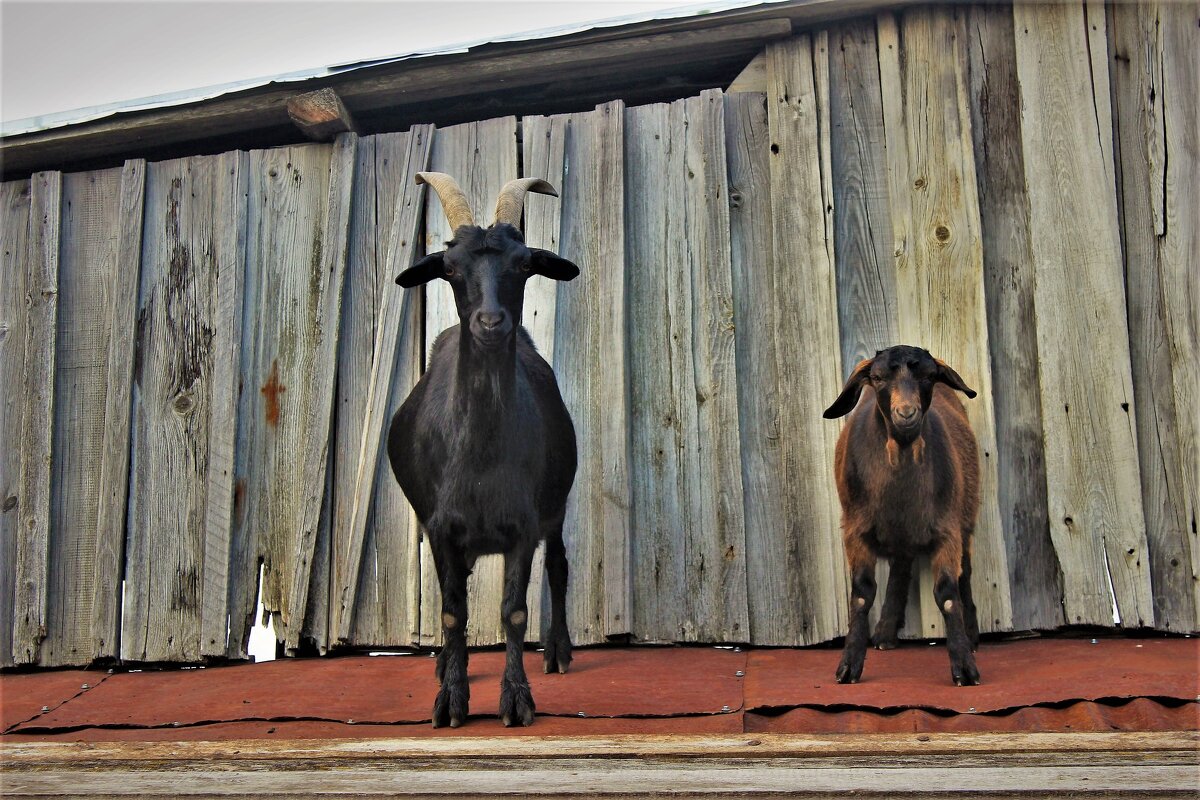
850 670
450 707
965 673
886 644
557 657
516 704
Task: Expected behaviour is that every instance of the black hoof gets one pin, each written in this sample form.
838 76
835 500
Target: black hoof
851 667
450 707
557 657
516 704
964 672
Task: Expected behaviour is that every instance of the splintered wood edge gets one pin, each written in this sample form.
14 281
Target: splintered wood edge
348 751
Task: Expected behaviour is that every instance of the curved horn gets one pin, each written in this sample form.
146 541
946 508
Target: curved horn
454 202
511 200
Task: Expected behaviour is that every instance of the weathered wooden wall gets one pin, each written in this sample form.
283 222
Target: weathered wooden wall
199 358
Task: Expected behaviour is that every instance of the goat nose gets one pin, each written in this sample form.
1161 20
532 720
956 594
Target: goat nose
490 319
906 412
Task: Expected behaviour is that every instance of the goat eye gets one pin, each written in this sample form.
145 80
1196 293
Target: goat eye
448 271
527 266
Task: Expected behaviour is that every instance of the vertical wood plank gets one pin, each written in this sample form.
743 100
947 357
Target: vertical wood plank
805 322
543 143
482 157
590 364
1096 519
770 565
1156 83
689 534
186 324
866 280
14 251
939 263
376 539
299 200
114 464
1033 570
37 417
89 271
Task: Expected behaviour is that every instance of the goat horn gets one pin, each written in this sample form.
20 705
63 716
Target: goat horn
511 200
454 202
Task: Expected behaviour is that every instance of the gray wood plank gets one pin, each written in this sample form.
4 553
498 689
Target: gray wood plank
590 363
34 507
1033 571
376 539
689 534
14 248
938 259
771 561
1095 504
1156 83
805 322
184 324
114 463
543 156
482 157
296 244
87 275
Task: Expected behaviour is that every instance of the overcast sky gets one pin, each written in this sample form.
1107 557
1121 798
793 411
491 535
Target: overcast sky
59 56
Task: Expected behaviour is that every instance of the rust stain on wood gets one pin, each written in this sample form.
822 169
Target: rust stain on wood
271 390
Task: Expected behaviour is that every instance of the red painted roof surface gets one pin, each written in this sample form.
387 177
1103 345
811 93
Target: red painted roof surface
1029 685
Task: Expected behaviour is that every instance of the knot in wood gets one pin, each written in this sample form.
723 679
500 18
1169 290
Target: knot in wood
10 503
942 234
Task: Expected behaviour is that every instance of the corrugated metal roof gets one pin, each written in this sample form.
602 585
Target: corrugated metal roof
194 95
1030 685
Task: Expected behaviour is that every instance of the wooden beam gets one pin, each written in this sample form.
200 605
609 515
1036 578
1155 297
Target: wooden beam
404 87
753 78
320 115
1014 765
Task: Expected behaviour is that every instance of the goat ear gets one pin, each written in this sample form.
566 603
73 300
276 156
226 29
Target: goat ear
543 262
423 271
848 399
948 376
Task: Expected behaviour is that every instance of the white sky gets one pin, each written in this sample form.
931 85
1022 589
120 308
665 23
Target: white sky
58 56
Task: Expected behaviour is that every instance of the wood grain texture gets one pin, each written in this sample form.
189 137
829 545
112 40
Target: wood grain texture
87 277
34 505
938 261
114 461
181 327
481 157
805 322
543 155
296 254
1095 503
14 250
994 99
590 355
1156 83
375 597
689 543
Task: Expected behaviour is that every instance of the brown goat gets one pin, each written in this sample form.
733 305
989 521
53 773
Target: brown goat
907 471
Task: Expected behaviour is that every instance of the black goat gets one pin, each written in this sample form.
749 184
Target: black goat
907 470
483 447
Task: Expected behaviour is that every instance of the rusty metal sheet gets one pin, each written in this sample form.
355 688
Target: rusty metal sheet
1139 714
715 724
1015 674
23 696
603 682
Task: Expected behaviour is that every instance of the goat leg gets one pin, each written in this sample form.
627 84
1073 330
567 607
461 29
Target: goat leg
947 561
970 615
891 618
558 640
453 698
862 595
516 701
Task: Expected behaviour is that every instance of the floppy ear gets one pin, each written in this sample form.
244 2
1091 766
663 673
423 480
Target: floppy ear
543 262
948 376
423 271
848 399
